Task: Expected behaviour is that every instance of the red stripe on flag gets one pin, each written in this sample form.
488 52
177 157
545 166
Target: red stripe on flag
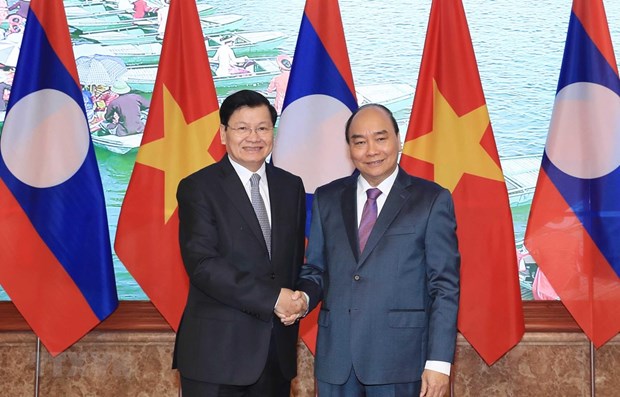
30 271
326 20
52 17
309 329
149 247
449 88
591 14
565 252
180 137
479 203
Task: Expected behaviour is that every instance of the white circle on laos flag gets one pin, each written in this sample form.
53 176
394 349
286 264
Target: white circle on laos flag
311 141
584 135
45 138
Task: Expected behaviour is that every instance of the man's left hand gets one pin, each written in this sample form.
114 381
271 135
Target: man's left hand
434 384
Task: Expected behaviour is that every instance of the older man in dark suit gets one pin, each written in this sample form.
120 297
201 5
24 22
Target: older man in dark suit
242 241
383 259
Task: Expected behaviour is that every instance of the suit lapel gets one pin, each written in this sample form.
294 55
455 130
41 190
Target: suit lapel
233 187
349 213
277 205
394 202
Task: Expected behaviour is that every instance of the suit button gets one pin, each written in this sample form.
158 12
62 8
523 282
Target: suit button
273 276
356 277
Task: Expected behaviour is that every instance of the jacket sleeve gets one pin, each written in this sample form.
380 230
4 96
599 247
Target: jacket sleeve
200 238
443 263
314 271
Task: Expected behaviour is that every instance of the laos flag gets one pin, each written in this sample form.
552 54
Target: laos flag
574 225
55 255
319 99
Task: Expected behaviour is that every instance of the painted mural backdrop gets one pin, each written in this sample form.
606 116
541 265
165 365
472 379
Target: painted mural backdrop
117 43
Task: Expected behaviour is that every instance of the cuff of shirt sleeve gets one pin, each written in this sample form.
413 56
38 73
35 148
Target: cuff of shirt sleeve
307 304
276 305
439 366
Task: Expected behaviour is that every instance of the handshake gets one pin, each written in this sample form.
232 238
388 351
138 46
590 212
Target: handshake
291 306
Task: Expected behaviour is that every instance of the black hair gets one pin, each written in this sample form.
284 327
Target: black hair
239 99
370 105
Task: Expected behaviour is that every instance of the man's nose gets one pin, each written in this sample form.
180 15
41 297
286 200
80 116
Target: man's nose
253 135
371 148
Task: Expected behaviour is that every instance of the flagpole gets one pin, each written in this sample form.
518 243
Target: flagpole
37 372
592 375
452 385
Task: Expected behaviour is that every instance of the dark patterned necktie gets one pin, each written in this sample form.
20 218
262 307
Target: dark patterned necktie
260 210
369 216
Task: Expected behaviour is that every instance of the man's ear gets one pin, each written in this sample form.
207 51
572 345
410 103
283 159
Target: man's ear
223 134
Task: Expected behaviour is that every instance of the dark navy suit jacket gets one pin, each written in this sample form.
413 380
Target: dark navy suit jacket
388 309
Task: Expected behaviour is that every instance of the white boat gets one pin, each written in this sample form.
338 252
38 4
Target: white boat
113 22
117 144
263 70
204 11
246 44
396 97
136 54
221 23
106 23
128 36
521 175
77 3
89 10
116 32
100 11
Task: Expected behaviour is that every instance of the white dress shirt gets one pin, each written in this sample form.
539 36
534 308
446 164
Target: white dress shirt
245 175
363 185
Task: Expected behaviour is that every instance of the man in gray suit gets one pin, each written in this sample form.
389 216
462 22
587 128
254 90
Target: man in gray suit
385 264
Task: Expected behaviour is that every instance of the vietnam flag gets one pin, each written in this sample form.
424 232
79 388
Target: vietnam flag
450 141
574 222
320 97
180 137
55 254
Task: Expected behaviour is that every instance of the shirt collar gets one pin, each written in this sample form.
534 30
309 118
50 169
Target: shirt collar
245 174
385 186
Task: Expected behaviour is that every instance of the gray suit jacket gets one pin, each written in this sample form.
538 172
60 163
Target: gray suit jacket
390 308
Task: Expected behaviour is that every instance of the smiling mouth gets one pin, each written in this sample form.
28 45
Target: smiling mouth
374 163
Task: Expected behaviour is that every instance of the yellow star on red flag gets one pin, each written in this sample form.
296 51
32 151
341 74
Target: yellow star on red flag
453 146
164 153
180 137
450 140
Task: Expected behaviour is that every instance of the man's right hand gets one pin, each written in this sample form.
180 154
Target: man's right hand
291 306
